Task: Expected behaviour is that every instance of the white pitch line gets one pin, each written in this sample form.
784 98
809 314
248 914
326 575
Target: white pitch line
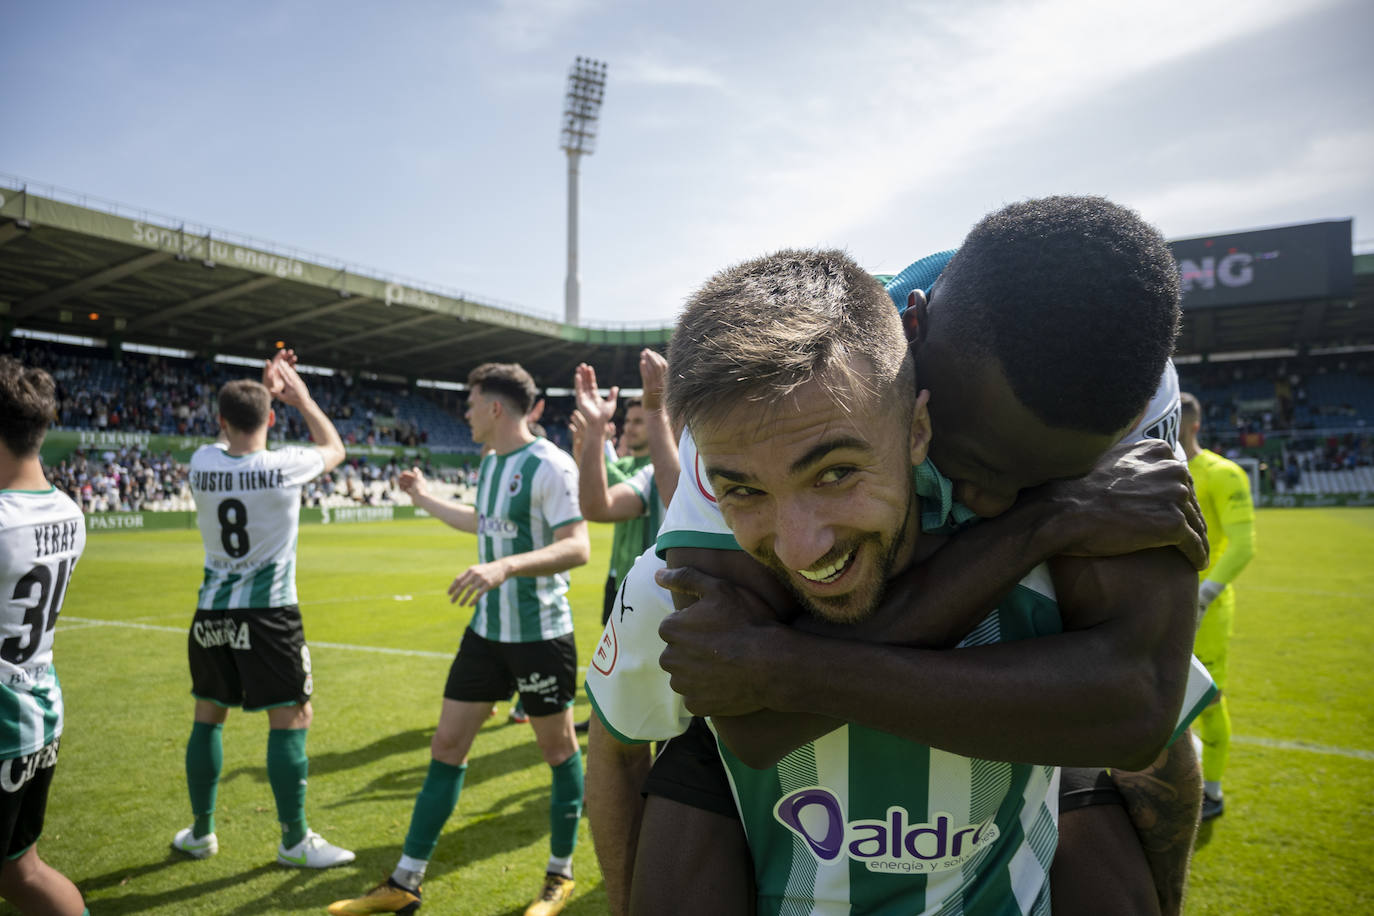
1279 744
65 623
1306 591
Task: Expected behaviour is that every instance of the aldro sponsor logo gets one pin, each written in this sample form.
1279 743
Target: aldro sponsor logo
493 527
226 632
894 844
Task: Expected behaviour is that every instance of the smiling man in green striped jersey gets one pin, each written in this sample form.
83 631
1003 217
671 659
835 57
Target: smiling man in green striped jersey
247 645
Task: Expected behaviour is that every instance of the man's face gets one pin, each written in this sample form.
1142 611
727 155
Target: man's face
820 495
480 414
987 442
636 433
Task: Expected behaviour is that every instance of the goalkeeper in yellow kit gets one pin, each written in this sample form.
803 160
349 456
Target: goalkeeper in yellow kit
1223 492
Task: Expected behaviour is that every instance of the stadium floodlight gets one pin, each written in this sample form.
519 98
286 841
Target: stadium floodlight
581 111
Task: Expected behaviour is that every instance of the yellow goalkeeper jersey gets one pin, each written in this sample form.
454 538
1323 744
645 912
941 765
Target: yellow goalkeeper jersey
1223 493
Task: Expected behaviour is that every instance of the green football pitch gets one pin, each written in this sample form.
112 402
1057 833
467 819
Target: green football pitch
1296 836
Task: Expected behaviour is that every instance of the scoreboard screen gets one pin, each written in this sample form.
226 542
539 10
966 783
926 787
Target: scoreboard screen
1308 261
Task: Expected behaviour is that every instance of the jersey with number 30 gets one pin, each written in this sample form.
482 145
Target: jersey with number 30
42 534
248 510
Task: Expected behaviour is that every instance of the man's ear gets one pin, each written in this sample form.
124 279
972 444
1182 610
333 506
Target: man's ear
914 318
271 418
920 428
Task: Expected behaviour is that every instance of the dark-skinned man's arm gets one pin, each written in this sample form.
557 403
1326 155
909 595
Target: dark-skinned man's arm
1136 498
1054 699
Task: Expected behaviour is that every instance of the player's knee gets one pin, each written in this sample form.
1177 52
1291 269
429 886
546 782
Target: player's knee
20 876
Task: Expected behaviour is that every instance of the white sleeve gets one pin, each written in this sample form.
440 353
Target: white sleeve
642 482
556 484
628 689
693 518
299 464
1163 415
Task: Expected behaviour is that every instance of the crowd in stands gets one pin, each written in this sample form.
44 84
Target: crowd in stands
161 395
127 480
1267 396
1318 408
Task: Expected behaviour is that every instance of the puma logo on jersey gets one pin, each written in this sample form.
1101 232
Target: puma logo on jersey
209 634
893 844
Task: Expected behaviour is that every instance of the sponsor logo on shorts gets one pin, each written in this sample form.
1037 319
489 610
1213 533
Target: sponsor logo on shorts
544 686
17 771
894 844
226 632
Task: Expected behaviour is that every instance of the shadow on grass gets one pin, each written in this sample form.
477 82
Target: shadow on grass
407 742
402 785
1204 833
139 903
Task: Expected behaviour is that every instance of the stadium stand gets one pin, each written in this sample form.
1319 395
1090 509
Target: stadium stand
1277 338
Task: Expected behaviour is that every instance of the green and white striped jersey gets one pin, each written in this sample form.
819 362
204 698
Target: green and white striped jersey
633 535
522 498
248 511
643 483
858 818
42 534
862 821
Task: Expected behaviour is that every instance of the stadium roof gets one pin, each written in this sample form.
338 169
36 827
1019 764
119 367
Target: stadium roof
132 277
107 271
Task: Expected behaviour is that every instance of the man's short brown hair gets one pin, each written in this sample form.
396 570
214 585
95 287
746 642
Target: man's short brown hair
1190 406
28 403
245 405
760 330
507 380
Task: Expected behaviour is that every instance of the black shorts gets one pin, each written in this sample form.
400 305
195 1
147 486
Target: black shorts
485 671
1080 787
688 770
256 659
24 783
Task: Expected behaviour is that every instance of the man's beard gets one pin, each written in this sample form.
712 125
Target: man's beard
855 605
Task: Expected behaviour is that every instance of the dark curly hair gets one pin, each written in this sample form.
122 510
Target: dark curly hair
1077 299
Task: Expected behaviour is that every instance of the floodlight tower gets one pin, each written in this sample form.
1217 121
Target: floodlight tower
581 110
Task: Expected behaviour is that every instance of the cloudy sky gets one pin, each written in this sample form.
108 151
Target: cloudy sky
422 139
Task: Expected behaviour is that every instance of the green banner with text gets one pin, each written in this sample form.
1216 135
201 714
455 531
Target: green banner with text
333 515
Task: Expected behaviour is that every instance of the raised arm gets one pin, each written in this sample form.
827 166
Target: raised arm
285 383
598 500
653 372
455 515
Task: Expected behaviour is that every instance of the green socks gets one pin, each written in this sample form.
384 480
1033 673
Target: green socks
436 801
204 759
287 766
565 806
